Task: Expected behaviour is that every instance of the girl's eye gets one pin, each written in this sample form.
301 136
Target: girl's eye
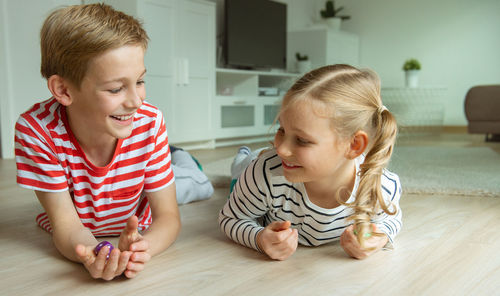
141 82
302 141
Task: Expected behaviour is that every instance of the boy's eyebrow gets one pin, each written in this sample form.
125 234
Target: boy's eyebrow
121 78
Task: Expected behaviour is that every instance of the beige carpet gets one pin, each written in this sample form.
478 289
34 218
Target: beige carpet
471 171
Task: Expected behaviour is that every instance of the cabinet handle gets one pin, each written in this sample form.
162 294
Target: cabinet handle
185 72
182 71
239 102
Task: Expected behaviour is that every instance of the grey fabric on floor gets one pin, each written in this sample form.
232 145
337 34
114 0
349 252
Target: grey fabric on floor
191 184
471 171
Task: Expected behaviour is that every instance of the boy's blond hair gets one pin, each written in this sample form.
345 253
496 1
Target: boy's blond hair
72 36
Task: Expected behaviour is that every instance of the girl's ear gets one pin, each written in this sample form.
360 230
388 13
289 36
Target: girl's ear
358 145
59 87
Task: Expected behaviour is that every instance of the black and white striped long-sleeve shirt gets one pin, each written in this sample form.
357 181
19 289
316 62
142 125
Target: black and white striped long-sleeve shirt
263 195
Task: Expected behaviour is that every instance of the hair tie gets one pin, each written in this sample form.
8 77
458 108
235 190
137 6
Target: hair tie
382 109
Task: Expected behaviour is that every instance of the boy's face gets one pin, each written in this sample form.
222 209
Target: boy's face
109 95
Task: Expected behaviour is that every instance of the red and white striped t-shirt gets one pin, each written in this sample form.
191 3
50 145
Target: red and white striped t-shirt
50 159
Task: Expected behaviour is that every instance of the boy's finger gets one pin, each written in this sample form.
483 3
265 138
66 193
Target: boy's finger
100 261
111 266
135 266
85 256
123 261
130 274
132 224
139 246
140 257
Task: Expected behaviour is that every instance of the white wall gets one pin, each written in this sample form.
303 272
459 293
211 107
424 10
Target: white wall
21 84
456 41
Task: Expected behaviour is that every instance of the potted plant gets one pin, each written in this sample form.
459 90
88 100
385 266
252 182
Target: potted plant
330 14
303 63
412 68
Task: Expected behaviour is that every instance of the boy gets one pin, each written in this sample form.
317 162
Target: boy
97 155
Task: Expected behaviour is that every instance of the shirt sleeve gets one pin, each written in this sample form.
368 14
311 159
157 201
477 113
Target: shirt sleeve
38 167
158 173
247 203
390 224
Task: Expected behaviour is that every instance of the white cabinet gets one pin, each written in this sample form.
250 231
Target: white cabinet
323 46
240 113
180 63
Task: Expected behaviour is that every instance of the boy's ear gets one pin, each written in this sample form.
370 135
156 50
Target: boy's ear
358 144
59 87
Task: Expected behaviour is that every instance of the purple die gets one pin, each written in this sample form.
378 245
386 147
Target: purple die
101 245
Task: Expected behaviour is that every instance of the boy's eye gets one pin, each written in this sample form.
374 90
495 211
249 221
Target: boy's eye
115 90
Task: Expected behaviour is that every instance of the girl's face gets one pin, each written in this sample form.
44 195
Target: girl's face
309 148
110 94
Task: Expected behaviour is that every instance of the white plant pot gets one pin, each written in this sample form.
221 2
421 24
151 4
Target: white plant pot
412 78
333 23
303 66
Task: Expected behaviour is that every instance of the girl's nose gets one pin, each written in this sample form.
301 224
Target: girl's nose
283 149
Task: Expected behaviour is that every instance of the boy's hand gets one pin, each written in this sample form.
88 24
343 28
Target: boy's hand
131 240
100 267
349 242
278 240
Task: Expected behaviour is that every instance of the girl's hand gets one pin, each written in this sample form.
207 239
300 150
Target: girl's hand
278 240
349 242
100 267
131 240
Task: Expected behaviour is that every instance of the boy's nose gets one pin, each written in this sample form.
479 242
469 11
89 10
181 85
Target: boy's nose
134 99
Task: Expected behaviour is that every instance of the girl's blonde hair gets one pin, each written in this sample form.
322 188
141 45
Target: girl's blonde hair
72 36
352 100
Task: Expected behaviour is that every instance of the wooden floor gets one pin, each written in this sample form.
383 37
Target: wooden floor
449 245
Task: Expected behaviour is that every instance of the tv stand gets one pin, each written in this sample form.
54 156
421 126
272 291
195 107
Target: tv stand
240 114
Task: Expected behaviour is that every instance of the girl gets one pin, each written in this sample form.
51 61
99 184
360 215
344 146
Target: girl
325 178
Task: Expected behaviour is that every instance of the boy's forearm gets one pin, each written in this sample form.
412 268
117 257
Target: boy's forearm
66 240
162 233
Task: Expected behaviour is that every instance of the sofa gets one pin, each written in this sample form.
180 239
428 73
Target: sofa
482 110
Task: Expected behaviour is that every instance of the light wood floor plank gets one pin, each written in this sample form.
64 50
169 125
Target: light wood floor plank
448 246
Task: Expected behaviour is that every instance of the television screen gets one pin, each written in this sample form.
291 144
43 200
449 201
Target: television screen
255 34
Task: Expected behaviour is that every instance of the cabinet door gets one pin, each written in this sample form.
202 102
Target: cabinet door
159 23
195 71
